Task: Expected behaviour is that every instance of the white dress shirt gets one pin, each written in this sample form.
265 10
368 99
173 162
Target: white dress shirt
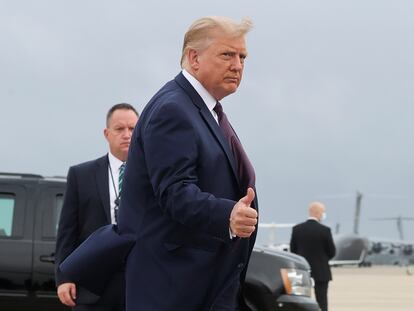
114 165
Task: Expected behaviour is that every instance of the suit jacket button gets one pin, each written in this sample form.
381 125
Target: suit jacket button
240 265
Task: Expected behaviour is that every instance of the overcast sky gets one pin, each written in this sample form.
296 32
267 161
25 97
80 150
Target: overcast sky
325 107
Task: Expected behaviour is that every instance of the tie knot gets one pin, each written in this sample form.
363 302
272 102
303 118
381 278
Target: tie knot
218 108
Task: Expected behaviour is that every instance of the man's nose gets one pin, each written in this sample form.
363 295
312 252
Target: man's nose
127 132
237 63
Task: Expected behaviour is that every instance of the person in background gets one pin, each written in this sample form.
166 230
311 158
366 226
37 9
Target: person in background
314 241
91 200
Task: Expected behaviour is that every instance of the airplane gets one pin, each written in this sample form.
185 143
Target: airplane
396 252
271 244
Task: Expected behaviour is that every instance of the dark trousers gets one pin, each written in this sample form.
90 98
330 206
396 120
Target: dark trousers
99 308
321 294
112 299
228 299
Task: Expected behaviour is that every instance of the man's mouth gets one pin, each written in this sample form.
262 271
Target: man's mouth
232 79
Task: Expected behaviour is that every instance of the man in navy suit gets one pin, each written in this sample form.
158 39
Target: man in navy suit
92 193
314 241
189 188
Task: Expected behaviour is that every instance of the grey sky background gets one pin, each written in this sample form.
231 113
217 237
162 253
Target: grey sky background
325 107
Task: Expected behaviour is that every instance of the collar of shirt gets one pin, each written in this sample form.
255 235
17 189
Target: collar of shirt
114 162
209 100
313 218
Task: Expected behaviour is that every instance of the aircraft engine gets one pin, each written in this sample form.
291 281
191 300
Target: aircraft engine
376 247
407 250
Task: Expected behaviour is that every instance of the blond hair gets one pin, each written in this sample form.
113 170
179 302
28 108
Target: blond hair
200 34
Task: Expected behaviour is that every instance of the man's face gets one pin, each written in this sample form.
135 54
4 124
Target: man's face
219 67
119 132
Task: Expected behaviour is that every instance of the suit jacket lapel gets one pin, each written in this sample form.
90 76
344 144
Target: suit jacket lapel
208 118
102 178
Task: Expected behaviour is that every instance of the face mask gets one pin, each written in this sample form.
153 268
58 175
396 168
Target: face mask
323 216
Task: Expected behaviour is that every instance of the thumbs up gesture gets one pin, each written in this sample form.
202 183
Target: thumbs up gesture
243 218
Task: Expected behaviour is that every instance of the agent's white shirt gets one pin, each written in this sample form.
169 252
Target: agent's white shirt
114 165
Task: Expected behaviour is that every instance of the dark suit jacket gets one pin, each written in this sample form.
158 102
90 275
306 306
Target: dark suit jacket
179 188
313 241
86 207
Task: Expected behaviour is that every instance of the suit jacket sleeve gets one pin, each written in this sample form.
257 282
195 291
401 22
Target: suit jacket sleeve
293 247
330 245
171 140
67 237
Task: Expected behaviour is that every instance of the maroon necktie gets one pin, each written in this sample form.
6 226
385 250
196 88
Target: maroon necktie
244 167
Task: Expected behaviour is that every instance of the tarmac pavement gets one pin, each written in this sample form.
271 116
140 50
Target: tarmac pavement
376 288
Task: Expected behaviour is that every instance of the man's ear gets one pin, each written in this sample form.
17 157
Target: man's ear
193 59
106 132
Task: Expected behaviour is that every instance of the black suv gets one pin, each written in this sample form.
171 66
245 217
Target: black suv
30 206
29 209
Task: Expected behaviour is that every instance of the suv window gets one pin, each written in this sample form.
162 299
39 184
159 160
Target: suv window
57 210
7 204
51 212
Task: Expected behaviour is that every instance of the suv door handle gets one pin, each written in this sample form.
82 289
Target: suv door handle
47 258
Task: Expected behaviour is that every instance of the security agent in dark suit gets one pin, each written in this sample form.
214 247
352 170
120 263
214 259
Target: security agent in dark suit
313 241
91 201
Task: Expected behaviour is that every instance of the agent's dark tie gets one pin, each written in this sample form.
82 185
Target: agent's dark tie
117 200
245 169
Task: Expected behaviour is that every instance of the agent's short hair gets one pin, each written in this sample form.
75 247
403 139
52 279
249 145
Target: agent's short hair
120 106
199 35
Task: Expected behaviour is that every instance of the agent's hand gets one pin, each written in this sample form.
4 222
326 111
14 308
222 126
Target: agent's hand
243 218
67 294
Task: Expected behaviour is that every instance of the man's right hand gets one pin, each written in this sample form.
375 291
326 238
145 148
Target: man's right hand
243 218
67 294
